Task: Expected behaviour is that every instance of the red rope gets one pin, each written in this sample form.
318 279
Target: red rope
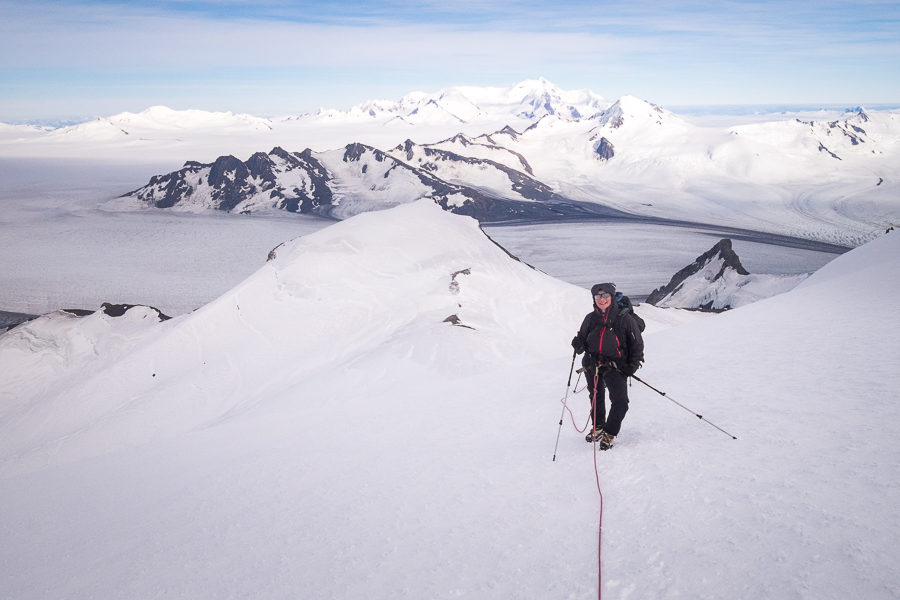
600 492
596 477
599 538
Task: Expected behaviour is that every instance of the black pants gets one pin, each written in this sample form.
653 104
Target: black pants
617 385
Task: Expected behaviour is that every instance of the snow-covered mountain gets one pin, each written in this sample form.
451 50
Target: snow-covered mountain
807 179
160 122
832 180
496 178
527 100
326 416
717 280
330 183
355 179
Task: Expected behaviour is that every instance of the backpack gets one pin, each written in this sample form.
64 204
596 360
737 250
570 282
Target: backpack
625 306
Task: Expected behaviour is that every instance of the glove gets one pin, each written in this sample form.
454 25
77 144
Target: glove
577 345
629 370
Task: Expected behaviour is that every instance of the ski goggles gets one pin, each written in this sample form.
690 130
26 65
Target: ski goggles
602 296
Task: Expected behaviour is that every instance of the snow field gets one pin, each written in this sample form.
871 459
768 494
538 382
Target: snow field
319 431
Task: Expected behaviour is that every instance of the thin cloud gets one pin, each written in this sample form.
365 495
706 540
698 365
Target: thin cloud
165 42
685 52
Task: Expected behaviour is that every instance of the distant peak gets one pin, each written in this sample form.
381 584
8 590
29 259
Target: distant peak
539 84
724 250
629 102
159 109
630 107
711 265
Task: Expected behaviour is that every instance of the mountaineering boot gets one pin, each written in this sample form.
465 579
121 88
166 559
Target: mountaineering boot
593 435
606 441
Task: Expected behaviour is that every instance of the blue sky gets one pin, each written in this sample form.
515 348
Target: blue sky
71 60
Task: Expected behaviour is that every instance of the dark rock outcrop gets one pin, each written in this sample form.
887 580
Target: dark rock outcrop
722 250
604 149
117 310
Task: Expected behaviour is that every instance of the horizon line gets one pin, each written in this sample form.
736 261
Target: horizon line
720 109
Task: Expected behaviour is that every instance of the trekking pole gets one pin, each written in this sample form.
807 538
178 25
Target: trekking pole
565 399
699 416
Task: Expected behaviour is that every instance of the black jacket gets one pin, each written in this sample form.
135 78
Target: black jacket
614 337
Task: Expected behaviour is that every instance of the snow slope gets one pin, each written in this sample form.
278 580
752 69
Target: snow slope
371 281
320 431
800 505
